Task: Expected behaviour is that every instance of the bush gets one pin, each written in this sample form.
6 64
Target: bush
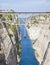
9 16
28 26
0 15
8 25
19 49
49 26
13 28
36 21
10 35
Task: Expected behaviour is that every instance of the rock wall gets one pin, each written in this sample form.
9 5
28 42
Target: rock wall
8 48
41 33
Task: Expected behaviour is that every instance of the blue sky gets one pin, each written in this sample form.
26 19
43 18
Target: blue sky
26 5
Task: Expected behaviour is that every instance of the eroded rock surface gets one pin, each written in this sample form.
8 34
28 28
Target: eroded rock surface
7 47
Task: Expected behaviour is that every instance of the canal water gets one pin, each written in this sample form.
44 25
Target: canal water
27 52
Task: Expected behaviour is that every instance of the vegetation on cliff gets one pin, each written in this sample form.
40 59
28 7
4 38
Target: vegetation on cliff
12 28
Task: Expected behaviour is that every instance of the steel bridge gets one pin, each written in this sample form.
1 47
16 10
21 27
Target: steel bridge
22 12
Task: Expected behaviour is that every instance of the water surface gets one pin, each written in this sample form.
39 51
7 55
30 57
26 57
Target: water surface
27 52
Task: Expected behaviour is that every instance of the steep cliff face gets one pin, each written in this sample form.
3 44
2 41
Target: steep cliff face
2 56
39 32
7 47
10 40
41 44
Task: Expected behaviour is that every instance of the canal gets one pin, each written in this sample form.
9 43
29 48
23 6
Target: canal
27 52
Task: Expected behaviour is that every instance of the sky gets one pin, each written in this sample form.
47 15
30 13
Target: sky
26 5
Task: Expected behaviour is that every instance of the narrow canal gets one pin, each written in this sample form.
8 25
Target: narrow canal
27 52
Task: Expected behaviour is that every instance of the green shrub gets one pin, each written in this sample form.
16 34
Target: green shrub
9 16
49 26
19 49
10 35
1 15
8 25
17 21
13 28
28 26
36 21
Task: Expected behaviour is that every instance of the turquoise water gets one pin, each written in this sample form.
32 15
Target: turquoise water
27 52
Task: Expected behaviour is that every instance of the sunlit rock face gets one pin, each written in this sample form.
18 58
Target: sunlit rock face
43 38
47 61
41 33
41 44
7 47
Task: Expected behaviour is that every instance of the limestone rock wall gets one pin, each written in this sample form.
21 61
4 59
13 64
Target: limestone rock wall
8 48
41 33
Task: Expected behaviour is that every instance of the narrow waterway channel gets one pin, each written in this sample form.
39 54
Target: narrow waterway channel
27 52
